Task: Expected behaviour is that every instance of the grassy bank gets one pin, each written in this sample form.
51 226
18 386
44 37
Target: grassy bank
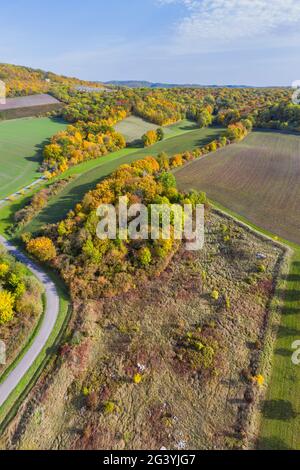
280 414
21 143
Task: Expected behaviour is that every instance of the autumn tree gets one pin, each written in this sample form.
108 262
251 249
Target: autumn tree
149 138
41 248
7 301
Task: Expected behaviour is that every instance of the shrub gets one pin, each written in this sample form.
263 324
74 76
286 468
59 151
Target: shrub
109 407
137 378
7 302
160 134
144 256
168 180
28 305
259 379
204 277
261 268
85 391
149 138
92 401
41 248
4 268
26 237
176 161
162 247
215 295
163 161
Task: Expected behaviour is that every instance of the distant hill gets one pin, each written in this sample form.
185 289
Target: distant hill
145 84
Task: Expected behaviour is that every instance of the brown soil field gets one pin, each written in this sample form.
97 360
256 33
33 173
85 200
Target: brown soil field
166 365
258 178
26 106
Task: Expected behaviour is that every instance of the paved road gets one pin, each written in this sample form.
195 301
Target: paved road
51 314
18 193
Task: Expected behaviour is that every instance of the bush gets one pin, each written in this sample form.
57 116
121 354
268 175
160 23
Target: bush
137 378
144 256
215 295
92 401
160 134
4 268
7 302
41 248
109 407
168 180
261 268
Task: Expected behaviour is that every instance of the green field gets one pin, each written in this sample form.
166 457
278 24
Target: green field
21 142
134 127
74 192
280 427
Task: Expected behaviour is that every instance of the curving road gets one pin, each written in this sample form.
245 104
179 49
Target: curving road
49 320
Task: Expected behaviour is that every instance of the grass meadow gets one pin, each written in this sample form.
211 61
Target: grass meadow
21 144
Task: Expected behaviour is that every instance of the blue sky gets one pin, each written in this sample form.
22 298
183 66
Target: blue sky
253 42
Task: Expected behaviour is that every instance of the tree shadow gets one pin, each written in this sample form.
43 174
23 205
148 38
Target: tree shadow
38 156
135 144
291 277
290 295
290 311
189 127
283 352
272 443
277 131
284 331
278 409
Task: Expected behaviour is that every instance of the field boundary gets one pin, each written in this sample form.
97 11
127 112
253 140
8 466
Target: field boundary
273 319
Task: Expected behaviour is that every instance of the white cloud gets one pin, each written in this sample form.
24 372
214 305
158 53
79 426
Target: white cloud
215 23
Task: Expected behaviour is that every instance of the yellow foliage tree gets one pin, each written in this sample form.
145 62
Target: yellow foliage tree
42 248
259 379
4 268
7 302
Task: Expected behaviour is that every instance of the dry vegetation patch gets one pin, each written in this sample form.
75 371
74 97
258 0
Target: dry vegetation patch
168 364
257 178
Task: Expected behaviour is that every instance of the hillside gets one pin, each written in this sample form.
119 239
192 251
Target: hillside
21 81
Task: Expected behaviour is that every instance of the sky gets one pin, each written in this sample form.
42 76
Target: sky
248 42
